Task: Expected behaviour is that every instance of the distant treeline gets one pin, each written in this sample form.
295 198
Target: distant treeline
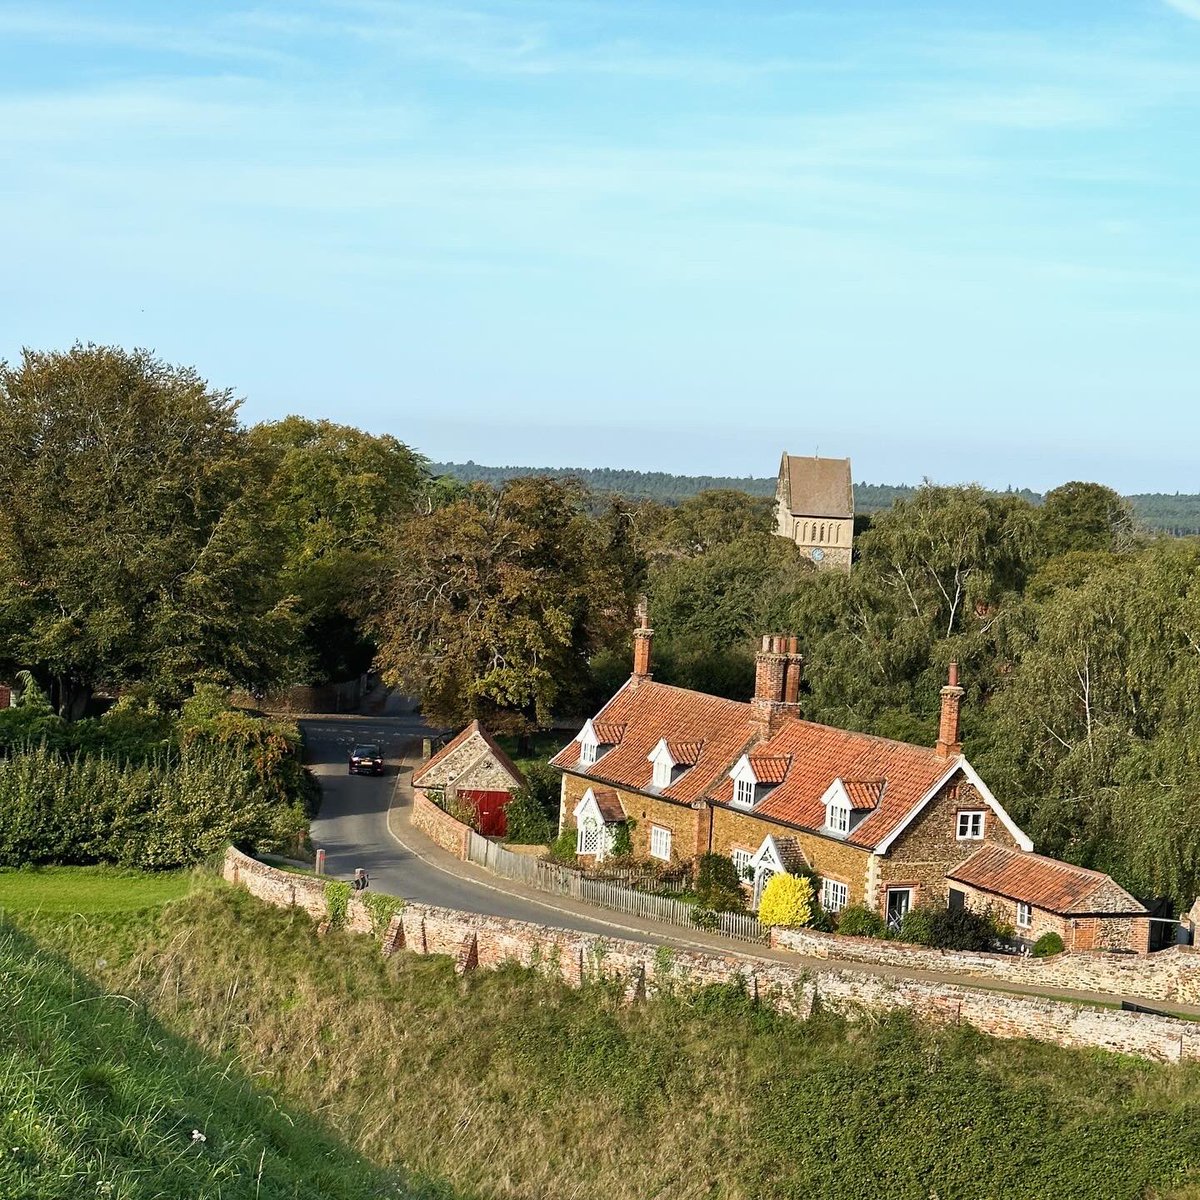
1177 513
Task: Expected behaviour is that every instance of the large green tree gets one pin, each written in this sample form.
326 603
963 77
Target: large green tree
134 545
333 490
494 603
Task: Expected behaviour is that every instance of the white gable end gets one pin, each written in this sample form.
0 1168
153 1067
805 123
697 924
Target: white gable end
985 794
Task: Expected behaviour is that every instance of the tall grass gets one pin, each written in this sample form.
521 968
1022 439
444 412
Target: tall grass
100 1100
506 1084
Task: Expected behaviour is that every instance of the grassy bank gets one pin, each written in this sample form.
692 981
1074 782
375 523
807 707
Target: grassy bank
506 1085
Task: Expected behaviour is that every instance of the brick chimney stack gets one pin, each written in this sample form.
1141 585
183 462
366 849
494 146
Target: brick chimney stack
949 741
643 638
778 669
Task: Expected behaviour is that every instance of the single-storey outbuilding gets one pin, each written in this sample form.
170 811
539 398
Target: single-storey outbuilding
1038 895
472 767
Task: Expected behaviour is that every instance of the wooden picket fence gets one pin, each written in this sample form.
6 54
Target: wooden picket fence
562 881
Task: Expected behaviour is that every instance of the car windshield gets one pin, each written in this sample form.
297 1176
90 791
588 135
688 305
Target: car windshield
366 751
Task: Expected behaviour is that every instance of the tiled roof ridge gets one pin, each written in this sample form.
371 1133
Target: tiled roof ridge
858 733
1099 876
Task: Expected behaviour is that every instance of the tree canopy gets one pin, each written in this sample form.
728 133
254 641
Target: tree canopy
131 546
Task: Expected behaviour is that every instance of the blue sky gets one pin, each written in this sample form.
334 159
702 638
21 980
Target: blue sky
955 240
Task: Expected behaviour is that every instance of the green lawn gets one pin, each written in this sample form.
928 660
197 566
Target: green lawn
88 889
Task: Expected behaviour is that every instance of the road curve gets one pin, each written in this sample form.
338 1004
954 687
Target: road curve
352 830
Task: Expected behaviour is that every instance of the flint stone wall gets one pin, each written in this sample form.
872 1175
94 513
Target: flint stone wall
475 941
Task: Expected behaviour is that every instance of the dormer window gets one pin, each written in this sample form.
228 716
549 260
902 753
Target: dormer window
743 792
837 818
662 773
596 739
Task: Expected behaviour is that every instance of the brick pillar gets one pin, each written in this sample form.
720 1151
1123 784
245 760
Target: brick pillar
949 742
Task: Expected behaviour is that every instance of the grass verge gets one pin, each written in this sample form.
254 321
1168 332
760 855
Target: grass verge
506 1084
60 890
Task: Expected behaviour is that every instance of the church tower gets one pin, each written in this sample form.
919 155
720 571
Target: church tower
815 508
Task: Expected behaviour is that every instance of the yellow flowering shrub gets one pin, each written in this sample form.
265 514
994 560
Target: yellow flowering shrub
786 900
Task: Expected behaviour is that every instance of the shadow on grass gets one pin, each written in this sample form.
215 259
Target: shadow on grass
101 1100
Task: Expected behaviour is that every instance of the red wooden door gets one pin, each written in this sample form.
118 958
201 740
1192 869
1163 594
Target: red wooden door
489 807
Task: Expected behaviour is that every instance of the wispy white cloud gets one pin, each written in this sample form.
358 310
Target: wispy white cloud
1189 8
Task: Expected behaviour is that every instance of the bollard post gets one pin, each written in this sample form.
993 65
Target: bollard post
320 862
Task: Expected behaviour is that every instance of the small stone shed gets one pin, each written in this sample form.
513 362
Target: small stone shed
1038 895
473 768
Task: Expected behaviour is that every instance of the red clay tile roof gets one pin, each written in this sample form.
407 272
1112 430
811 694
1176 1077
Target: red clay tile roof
507 763
1045 883
818 754
685 754
608 733
609 804
769 768
821 754
863 793
653 711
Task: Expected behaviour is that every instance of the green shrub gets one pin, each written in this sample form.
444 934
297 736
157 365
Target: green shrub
961 929
171 812
917 926
717 886
533 810
562 849
1047 945
622 841
787 901
860 921
337 902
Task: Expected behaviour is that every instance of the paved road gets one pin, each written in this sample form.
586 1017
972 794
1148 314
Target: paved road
352 829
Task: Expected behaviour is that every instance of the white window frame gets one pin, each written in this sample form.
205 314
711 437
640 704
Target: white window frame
660 843
662 772
837 818
588 753
741 864
834 895
743 792
1025 911
968 820
589 837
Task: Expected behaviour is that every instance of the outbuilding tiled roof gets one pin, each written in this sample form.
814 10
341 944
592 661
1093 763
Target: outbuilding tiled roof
1045 883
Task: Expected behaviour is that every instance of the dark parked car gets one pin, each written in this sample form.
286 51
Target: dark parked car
366 760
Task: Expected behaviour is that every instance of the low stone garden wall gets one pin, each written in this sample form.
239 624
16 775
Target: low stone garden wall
1171 974
476 941
439 826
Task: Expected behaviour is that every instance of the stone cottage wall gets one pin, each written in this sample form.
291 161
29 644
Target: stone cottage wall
475 941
